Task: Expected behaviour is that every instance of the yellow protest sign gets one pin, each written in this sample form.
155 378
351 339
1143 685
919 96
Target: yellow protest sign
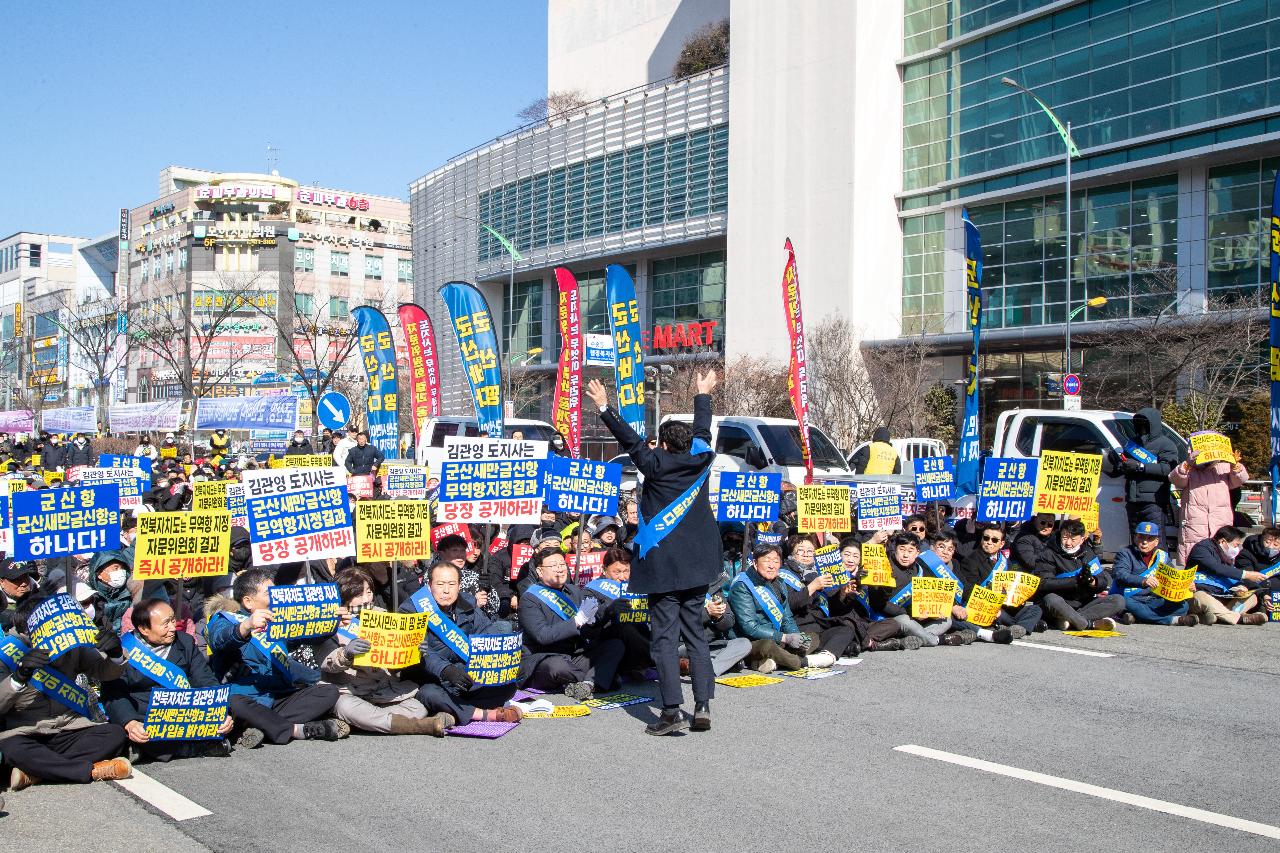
303 460
182 545
560 712
209 495
875 564
1175 583
395 638
16 485
1211 447
747 680
168 453
1090 517
932 598
823 508
392 530
1016 587
1067 483
984 606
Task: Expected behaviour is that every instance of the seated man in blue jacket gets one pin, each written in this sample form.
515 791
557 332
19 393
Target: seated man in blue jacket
159 655
273 695
761 609
563 646
445 653
1135 577
1224 586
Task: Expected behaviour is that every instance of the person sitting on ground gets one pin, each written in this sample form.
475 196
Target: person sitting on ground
851 602
763 614
274 696
454 697
941 560
727 651
895 602
563 647
1031 541
159 656
1224 586
1135 579
1073 585
917 526
1260 552
978 569
46 730
623 614
806 588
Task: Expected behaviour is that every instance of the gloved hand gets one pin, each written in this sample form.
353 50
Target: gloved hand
1131 465
587 612
35 659
109 643
793 641
456 675
358 646
1086 578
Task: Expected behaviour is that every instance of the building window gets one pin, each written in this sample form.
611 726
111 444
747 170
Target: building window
304 304
922 278
340 264
1237 244
522 314
373 267
667 180
924 25
686 290
182 259
142 269
168 263
155 266
404 270
33 253
1124 247
304 260
926 148
338 308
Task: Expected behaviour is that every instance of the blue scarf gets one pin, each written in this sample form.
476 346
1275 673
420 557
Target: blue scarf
651 533
1095 569
934 564
1001 565
153 666
441 625
50 682
1137 451
559 603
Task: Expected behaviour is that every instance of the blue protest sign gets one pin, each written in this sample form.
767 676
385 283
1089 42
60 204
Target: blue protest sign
58 624
495 659
299 514
187 714
132 482
115 460
879 506
935 479
748 496
61 522
583 486
271 411
303 611
334 410
1008 489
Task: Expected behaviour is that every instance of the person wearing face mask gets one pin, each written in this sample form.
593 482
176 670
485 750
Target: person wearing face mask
54 455
146 449
299 445
109 573
1261 551
558 445
1223 583
159 655
80 451
371 698
1073 585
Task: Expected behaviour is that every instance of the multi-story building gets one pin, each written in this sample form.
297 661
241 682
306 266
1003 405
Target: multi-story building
264 263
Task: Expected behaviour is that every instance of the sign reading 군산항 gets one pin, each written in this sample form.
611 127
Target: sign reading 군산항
748 496
932 598
935 479
61 522
1008 489
583 486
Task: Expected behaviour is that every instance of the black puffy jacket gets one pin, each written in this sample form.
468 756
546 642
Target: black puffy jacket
1149 482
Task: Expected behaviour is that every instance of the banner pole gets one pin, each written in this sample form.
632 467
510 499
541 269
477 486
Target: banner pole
395 586
484 554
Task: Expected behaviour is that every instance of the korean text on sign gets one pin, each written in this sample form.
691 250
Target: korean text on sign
935 479
392 530
1067 483
303 611
583 486
823 508
305 525
495 659
58 624
61 522
182 545
879 506
748 496
1008 489
187 714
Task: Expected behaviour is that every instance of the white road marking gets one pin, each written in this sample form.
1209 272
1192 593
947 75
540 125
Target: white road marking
1189 812
1053 648
162 797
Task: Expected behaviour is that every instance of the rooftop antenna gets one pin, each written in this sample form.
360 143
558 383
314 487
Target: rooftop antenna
273 158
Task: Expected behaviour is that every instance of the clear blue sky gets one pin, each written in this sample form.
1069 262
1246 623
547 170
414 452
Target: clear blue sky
99 97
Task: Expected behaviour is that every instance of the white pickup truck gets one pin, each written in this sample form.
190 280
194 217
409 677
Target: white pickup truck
1023 433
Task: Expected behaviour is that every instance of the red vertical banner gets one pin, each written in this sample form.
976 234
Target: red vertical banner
567 409
798 376
424 367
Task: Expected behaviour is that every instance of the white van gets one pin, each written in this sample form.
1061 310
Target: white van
1024 433
744 443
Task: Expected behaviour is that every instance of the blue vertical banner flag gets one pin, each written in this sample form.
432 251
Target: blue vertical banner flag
378 351
968 452
628 366
478 346
1275 349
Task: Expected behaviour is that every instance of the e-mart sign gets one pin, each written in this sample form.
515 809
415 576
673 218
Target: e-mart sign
699 333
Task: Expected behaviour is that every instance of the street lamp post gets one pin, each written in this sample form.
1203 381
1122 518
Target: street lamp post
1072 151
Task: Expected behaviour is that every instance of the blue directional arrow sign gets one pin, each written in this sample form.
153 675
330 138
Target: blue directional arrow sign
334 410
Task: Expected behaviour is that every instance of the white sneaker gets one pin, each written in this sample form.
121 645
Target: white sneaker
820 660
766 665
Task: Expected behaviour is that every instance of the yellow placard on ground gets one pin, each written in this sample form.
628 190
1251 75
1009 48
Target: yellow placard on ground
209 495
560 712
182 545
1175 583
747 680
1211 447
1067 483
303 460
875 562
823 508
394 636
984 606
932 598
1016 587
1093 632
392 530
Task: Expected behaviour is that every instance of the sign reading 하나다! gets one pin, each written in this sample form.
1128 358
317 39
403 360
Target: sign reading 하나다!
583 486
394 638
875 566
932 598
823 508
182 545
61 522
935 479
748 496
1008 489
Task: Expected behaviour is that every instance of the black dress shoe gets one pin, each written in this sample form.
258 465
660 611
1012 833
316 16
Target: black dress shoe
670 722
701 718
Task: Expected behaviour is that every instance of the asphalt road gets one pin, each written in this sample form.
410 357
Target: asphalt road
1183 715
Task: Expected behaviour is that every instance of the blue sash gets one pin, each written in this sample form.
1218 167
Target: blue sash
1095 569
1271 571
350 632
1223 585
441 625
1137 451
152 665
1001 565
50 682
273 649
765 598
610 589
864 601
650 534
902 596
560 604
934 563
791 579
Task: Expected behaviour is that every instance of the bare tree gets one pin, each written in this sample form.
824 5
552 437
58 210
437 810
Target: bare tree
755 386
901 375
92 329
705 49
552 105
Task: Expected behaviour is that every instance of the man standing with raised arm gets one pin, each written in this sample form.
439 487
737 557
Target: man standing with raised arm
677 548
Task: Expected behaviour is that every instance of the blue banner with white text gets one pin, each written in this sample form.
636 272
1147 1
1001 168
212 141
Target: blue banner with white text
1008 489
378 354
583 486
624 323
472 323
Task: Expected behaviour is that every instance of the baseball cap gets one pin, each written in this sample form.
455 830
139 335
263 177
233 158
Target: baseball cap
12 570
1147 528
